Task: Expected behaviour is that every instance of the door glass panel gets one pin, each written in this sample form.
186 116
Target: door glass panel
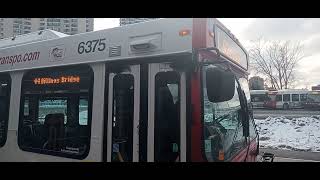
122 118
167 117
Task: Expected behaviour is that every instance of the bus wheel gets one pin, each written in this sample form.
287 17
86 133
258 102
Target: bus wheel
286 106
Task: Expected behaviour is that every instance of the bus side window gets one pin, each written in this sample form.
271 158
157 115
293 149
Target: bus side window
167 117
286 97
279 98
55 118
303 97
295 97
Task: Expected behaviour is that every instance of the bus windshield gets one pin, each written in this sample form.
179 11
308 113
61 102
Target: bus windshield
314 97
259 97
222 126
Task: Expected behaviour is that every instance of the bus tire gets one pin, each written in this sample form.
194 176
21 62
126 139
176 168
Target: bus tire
286 106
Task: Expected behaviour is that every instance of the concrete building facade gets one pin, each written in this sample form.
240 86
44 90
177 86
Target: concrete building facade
10 27
126 21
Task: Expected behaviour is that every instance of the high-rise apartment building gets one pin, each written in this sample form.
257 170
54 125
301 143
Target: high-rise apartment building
126 21
16 26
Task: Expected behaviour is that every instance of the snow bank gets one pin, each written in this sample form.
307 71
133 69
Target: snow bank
299 134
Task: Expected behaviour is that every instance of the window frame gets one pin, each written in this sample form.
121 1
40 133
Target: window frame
90 74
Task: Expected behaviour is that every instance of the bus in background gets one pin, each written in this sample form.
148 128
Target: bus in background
258 98
287 99
313 101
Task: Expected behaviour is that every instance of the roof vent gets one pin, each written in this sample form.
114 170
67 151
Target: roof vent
114 51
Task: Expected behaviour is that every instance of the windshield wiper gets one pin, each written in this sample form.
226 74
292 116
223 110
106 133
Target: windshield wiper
220 118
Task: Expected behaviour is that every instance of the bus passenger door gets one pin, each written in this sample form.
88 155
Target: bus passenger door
122 129
166 114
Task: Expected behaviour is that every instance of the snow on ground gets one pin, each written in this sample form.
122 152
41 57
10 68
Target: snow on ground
298 134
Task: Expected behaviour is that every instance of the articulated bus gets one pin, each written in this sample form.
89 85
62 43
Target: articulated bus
287 99
169 90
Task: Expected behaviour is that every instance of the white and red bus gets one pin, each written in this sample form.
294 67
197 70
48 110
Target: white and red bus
165 90
286 99
259 98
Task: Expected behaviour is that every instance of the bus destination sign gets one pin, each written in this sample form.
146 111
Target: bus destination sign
228 47
59 80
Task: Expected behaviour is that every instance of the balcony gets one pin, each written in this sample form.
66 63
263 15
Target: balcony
17 22
17 31
53 24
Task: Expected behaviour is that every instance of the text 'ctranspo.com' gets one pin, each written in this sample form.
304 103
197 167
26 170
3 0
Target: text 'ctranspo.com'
31 56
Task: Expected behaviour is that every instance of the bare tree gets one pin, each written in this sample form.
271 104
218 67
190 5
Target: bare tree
277 61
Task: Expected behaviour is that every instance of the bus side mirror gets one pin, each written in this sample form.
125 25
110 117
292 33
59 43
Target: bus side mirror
220 85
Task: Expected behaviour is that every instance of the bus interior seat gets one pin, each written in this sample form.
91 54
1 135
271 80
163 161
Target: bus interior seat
54 124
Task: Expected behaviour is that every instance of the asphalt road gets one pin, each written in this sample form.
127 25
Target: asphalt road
292 156
262 114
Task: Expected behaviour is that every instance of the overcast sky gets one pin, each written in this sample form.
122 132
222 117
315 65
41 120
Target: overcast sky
307 31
